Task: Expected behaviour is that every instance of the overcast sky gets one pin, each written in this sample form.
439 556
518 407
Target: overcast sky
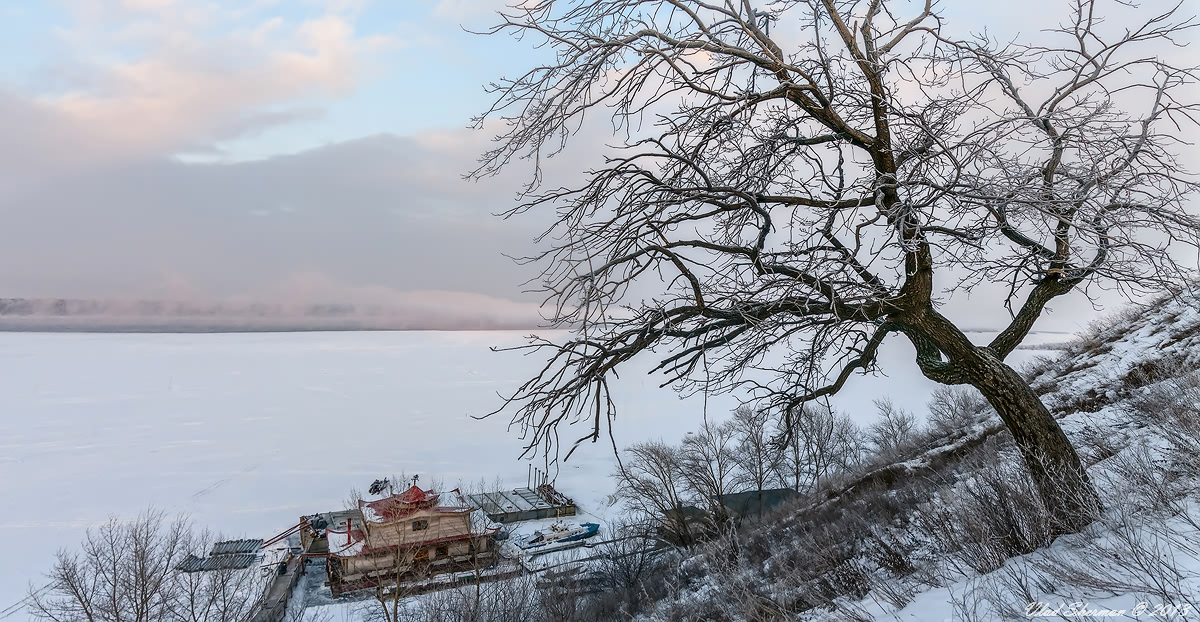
244 149
261 149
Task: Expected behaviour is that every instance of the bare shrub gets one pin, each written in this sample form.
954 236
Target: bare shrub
895 431
954 409
820 562
1143 481
1101 331
1172 405
1145 542
992 515
510 600
1134 552
896 592
896 579
743 596
566 601
969 605
1096 442
733 591
624 575
886 551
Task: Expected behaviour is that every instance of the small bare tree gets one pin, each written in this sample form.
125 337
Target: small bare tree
627 565
708 460
894 431
652 483
127 571
816 443
395 586
800 180
222 594
953 408
757 455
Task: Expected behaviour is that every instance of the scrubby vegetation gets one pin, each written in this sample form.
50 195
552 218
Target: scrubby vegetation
126 571
942 517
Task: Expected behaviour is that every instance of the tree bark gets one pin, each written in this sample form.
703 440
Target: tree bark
1053 463
947 356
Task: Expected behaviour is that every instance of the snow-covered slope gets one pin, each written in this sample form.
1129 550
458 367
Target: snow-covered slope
1119 354
954 531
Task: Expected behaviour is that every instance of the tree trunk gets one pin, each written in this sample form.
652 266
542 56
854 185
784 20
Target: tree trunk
1061 480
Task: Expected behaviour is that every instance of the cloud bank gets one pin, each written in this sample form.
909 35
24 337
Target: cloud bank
114 185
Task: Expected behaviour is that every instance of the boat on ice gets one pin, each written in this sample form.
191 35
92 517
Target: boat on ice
558 533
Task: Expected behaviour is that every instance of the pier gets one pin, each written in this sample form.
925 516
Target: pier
520 504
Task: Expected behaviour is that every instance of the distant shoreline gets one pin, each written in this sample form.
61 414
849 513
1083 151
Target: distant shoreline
233 326
79 315
184 328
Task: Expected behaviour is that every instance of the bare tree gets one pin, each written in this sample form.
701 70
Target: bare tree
628 564
651 481
802 179
894 431
128 571
816 442
123 572
708 464
953 408
758 455
222 594
395 586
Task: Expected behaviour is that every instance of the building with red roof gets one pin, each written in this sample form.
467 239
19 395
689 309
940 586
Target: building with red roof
409 535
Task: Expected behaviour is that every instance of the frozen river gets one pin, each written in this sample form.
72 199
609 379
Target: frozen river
244 433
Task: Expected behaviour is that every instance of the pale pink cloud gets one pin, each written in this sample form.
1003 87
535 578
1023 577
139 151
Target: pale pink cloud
202 71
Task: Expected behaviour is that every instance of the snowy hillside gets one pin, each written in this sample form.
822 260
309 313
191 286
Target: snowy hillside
954 531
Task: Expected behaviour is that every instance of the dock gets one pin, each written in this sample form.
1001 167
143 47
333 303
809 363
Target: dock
520 504
274 604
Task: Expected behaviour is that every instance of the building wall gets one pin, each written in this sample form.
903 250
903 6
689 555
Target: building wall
432 558
438 526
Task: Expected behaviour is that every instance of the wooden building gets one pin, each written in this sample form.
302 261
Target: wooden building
406 536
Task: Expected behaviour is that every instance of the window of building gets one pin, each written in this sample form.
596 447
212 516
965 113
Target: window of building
420 525
442 551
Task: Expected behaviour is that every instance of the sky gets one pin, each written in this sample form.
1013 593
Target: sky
303 150
262 149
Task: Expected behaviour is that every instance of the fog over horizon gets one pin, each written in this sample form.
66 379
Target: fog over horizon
240 153
383 221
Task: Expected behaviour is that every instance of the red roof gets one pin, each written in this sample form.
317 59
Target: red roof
398 506
415 495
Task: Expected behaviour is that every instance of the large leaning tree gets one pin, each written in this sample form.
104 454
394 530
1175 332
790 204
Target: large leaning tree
793 182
